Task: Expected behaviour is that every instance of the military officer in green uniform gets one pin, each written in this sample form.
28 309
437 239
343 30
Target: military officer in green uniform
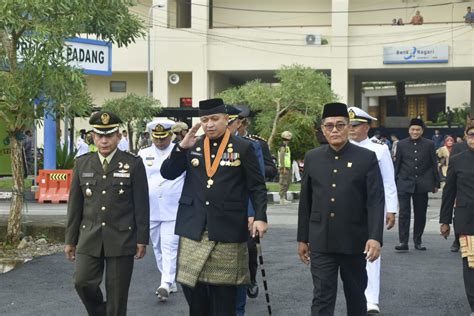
107 219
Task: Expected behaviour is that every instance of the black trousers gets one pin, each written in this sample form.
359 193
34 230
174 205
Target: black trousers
324 269
253 258
88 276
420 204
468 276
210 300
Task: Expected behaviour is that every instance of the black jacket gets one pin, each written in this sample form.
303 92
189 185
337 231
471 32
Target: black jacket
416 166
222 208
108 210
458 148
342 200
459 190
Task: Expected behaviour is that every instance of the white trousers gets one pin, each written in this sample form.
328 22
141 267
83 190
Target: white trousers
373 283
165 247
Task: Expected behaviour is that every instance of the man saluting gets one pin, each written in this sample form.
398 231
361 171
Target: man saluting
222 172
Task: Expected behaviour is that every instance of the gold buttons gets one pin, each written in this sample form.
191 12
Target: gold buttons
207 202
103 224
414 144
103 192
213 156
83 226
336 157
333 185
335 171
416 159
215 144
104 177
332 215
103 208
333 200
416 151
129 227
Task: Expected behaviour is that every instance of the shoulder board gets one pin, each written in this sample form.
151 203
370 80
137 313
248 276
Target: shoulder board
86 154
257 137
131 154
378 141
248 138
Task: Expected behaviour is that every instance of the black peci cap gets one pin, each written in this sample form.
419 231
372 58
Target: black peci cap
211 106
335 109
417 121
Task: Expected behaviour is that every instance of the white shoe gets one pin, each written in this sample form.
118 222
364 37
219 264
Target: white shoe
173 288
372 308
284 201
163 292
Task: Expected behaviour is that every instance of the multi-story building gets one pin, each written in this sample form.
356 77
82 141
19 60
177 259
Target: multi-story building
201 47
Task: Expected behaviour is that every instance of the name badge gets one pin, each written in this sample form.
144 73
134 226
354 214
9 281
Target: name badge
121 175
87 174
196 153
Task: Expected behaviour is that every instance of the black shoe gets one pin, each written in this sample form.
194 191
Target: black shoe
252 290
401 247
455 247
420 247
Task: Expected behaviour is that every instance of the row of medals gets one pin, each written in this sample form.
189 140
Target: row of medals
228 159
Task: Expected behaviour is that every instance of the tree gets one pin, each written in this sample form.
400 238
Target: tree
299 95
133 110
41 73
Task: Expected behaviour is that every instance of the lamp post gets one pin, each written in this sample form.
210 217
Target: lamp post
150 25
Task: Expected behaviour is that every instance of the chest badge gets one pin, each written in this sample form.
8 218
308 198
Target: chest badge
88 192
121 191
198 148
195 162
349 165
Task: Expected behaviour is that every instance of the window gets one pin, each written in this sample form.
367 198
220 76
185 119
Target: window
118 86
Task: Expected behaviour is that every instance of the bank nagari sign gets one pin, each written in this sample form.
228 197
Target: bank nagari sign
93 56
416 54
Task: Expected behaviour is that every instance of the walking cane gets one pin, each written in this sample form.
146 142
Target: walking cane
262 269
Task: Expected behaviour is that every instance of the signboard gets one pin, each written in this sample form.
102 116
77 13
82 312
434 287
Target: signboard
416 54
185 102
5 160
93 56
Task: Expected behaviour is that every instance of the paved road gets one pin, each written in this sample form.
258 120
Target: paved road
413 283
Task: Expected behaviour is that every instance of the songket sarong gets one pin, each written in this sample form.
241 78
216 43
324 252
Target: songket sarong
211 262
467 249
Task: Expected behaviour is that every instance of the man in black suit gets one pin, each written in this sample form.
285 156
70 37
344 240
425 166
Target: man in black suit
222 172
416 174
107 219
458 193
459 148
340 215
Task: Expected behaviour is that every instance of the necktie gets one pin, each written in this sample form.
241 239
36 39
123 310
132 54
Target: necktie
105 164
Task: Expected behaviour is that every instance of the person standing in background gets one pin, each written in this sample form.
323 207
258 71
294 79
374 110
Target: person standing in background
124 144
164 196
284 165
359 126
416 174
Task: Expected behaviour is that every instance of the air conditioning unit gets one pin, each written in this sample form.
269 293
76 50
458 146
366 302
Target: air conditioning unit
313 39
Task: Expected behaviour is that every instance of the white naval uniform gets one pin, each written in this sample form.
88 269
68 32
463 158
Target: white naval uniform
164 196
391 205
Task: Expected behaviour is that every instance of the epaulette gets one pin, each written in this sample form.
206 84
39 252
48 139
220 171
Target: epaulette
378 141
85 154
257 137
247 137
132 154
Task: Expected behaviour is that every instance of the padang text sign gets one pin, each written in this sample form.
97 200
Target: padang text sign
416 54
92 56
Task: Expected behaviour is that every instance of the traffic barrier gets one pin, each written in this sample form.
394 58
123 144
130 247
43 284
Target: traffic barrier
53 186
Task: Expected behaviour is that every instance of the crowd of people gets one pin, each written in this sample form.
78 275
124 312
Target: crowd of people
201 201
